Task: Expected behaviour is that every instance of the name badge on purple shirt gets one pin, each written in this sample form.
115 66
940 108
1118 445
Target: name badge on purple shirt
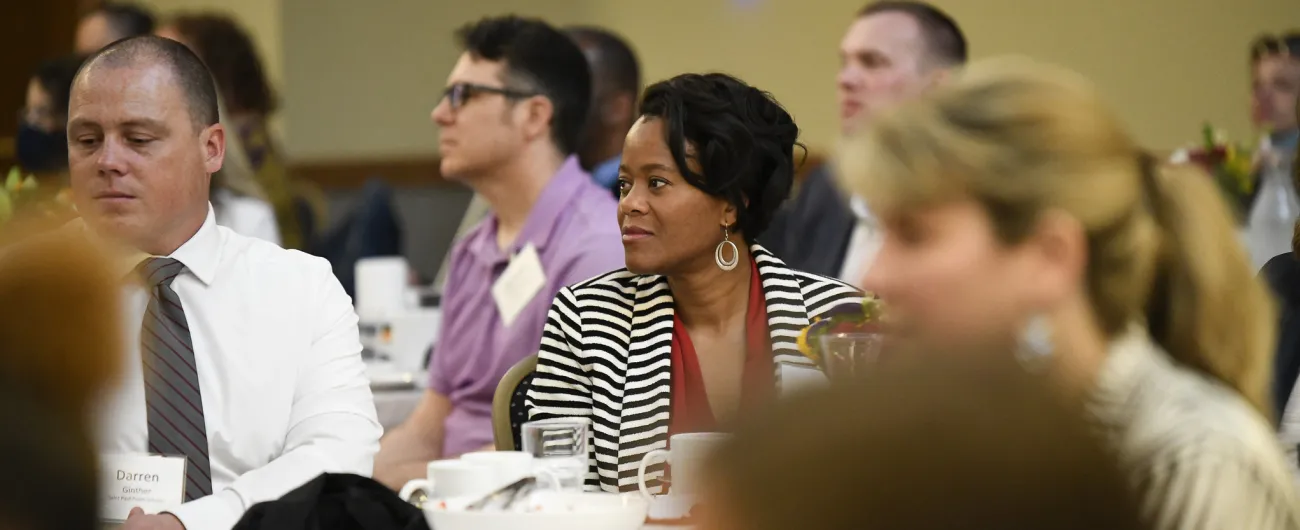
518 284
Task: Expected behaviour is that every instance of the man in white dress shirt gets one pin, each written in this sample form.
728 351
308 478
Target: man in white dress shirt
243 357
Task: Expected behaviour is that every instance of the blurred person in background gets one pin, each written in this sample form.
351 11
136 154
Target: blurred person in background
42 142
60 331
244 357
893 51
249 101
1283 275
952 440
111 22
1275 86
694 329
1134 295
509 122
616 81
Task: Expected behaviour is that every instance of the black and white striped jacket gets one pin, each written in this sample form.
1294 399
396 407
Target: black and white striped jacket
606 352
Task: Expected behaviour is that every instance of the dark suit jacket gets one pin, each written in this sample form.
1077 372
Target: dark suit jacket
812 232
335 502
1283 275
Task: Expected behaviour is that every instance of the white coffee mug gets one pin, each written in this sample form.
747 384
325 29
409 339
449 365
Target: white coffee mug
509 466
452 478
686 456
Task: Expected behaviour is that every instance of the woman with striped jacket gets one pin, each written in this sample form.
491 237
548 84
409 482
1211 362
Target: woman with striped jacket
692 333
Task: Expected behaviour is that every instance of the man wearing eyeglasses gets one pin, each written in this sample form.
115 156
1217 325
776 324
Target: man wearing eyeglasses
1275 87
510 119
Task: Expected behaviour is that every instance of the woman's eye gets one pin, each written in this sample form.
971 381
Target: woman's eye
657 183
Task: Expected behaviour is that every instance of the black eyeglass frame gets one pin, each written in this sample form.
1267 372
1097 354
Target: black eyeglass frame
457 94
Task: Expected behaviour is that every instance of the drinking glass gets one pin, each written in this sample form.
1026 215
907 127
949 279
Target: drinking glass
847 355
559 447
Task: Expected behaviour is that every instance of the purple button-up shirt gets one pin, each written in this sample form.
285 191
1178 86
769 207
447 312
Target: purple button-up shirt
574 226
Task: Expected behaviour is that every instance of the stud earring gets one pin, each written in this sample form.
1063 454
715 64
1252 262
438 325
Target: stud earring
1036 347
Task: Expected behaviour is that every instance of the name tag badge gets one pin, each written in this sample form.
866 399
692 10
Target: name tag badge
797 377
518 284
149 482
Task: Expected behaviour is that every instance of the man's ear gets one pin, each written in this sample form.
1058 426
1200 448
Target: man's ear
213 140
538 113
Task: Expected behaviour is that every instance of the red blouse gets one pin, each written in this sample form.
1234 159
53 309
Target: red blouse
691 411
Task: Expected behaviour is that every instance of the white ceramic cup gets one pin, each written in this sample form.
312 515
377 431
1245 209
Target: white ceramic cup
686 456
509 466
452 478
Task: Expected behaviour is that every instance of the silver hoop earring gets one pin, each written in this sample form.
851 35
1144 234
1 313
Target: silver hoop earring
1036 346
724 264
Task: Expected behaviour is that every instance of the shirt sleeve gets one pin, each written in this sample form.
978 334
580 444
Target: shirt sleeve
439 379
332 426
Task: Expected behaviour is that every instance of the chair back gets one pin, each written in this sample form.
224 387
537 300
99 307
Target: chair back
508 412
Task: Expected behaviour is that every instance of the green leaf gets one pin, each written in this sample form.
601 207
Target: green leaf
1207 136
29 183
15 178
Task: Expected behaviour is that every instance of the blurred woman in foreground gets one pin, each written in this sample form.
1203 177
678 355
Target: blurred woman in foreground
959 444
60 345
1021 216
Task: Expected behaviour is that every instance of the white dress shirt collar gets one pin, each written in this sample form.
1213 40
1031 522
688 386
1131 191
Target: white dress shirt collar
202 252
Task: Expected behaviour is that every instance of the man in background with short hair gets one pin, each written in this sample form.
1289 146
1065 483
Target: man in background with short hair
109 23
616 81
510 119
1275 88
893 51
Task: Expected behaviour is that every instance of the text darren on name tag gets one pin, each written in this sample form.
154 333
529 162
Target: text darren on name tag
149 482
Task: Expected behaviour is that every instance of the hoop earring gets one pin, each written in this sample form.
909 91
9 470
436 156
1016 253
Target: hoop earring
724 264
1036 345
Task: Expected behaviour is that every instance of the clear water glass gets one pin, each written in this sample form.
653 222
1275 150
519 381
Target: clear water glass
559 447
847 355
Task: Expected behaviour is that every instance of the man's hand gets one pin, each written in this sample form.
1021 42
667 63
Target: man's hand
137 520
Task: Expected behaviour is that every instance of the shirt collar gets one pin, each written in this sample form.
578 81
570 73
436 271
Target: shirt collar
1130 357
1285 142
200 254
860 210
563 188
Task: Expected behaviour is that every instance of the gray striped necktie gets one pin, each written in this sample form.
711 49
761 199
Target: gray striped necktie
171 378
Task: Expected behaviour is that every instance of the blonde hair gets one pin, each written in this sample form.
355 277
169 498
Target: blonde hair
1023 138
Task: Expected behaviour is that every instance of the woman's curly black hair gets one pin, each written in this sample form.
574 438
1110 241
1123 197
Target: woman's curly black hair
743 139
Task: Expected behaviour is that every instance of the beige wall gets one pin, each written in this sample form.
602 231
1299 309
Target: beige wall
359 78
362 77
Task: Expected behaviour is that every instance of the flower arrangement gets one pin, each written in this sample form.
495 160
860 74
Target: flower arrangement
847 318
1232 165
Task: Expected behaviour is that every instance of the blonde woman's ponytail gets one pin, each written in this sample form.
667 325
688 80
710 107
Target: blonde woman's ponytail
1207 309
